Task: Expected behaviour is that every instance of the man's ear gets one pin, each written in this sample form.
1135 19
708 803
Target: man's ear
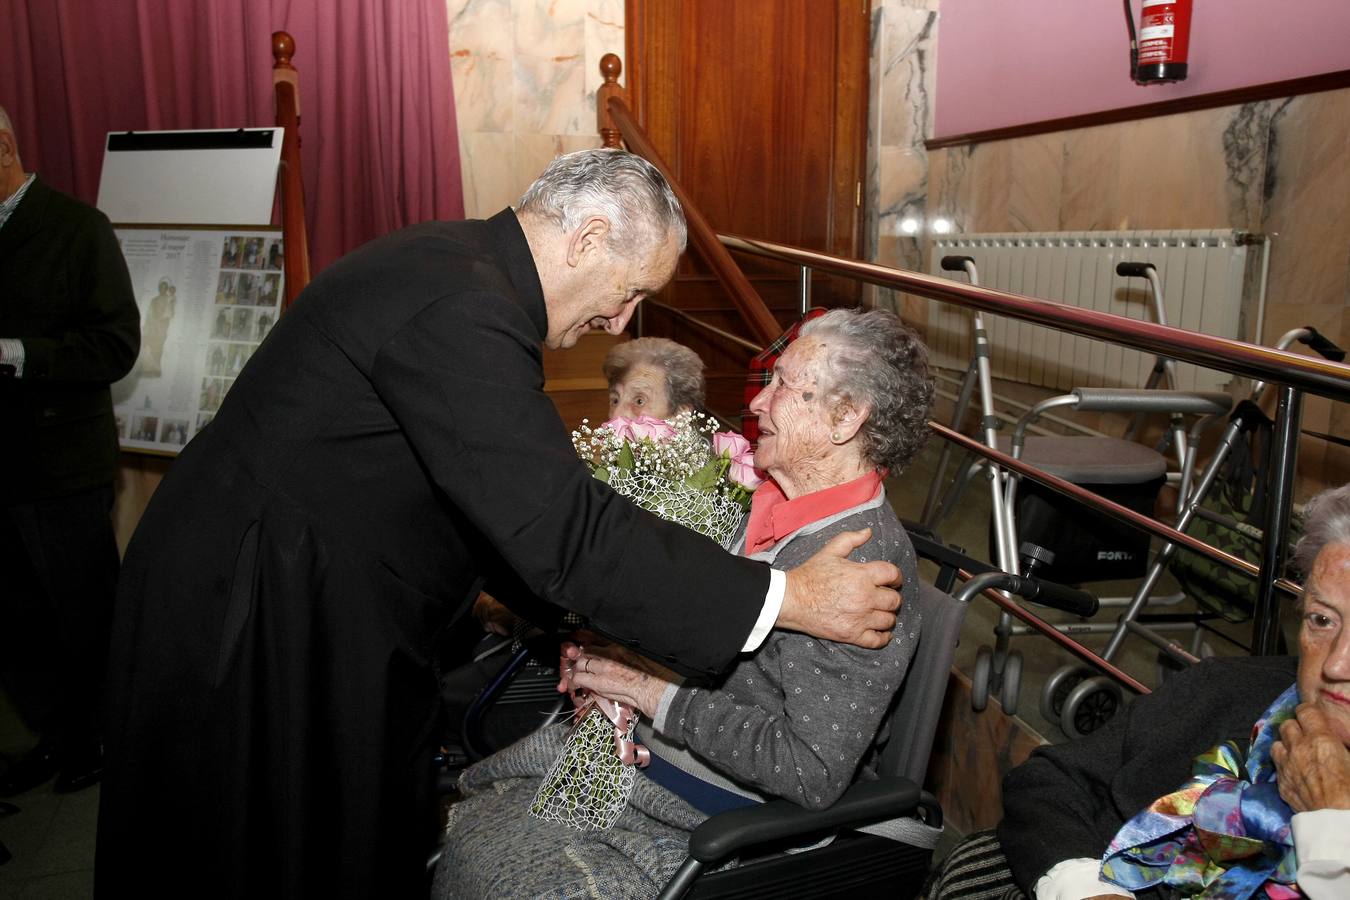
9 148
590 236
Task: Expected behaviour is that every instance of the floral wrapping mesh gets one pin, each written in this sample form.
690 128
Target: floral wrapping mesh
683 472
588 786
710 513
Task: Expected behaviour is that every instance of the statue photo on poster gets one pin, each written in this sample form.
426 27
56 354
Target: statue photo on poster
208 297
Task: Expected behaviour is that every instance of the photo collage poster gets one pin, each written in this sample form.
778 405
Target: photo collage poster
207 298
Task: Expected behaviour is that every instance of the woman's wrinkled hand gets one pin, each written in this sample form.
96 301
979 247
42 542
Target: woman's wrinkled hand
1313 764
613 672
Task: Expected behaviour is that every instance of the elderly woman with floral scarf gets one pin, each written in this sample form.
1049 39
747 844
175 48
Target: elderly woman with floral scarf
800 717
1182 795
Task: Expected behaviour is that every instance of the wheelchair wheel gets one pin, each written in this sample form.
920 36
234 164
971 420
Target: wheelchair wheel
979 679
1090 705
1057 687
1012 682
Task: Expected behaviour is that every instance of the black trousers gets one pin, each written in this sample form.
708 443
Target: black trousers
58 577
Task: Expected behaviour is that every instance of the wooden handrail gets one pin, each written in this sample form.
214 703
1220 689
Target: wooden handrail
295 238
615 119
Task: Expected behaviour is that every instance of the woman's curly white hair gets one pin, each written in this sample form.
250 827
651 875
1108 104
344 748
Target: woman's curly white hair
875 360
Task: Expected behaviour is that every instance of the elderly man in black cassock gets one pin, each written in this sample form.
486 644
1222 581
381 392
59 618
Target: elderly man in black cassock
274 702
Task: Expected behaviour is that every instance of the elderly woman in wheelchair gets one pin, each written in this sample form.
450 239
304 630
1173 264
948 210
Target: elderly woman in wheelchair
797 719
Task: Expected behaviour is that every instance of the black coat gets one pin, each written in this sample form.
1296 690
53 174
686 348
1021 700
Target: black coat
1069 800
274 701
65 292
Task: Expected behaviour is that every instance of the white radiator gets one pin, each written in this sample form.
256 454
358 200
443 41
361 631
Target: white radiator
1205 282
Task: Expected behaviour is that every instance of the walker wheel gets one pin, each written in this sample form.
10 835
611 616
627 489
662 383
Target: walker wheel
1012 682
979 679
1090 705
1057 687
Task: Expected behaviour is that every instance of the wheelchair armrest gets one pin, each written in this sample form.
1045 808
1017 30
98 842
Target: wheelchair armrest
864 803
1200 403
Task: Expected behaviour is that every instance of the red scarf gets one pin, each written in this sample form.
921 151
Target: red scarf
773 516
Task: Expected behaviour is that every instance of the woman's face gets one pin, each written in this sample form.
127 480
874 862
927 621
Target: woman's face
794 424
1324 640
641 392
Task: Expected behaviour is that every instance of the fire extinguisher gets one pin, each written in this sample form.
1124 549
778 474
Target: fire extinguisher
1158 54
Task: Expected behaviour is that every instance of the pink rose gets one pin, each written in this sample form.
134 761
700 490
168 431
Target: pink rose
736 448
636 429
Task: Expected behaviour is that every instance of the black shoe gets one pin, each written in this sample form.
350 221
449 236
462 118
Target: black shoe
80 771
35 767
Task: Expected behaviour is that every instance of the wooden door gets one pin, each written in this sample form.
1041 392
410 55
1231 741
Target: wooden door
759 108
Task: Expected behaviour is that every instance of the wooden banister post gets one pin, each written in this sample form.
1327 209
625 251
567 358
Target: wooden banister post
285 83
611 67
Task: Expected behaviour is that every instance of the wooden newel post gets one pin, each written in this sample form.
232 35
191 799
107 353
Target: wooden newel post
611 67
286 85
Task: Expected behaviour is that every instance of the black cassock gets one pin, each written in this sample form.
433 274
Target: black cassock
273 700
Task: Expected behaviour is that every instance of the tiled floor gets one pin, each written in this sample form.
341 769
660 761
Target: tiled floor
52 839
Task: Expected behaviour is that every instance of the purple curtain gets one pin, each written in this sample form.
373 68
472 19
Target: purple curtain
379 146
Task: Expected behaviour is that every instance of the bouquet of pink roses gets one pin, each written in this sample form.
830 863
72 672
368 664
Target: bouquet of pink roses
683 472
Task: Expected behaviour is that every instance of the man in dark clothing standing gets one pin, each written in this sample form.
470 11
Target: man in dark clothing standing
69 327
274 696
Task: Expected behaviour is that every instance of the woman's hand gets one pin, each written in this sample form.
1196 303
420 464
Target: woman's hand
1313 765
613 672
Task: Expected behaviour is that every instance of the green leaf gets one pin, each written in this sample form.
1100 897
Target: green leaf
625 460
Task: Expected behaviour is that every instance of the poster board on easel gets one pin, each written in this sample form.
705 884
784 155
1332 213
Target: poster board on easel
209 286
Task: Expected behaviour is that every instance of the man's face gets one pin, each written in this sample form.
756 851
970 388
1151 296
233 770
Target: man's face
1324 640
605 286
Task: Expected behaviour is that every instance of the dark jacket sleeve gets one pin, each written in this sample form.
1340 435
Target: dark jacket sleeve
463 373
1068 800
99 345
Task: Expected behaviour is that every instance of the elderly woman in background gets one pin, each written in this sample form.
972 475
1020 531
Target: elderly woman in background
800 717
1072 804
653 377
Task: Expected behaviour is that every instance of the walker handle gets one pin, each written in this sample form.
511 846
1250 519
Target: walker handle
1133 269
1057 596
956 263
1319 343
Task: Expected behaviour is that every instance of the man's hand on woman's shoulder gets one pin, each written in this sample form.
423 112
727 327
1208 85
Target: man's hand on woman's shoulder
832 597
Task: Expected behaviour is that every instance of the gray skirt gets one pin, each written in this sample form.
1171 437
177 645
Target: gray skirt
494 849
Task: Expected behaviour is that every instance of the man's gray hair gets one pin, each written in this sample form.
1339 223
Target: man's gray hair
1326 520
875 360
623 187
682 367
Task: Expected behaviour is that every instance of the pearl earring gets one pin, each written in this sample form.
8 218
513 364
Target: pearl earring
835 437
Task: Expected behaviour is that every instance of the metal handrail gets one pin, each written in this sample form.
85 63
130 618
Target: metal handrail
1318 376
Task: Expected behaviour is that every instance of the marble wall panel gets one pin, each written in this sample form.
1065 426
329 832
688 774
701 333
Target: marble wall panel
903 45
483 95
481 27
1308 202
604 34
525 74
548 29
550 96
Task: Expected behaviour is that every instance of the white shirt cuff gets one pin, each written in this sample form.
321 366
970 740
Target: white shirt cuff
1074 879
11 354
1322 844
773 605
